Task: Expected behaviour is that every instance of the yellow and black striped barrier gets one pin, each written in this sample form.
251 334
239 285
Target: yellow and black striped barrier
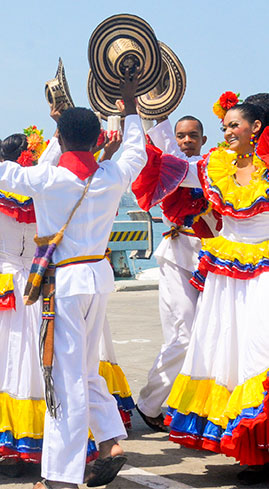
134 236
128 236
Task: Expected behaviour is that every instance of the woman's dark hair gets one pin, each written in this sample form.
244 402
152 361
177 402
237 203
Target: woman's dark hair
79 127
12 147
262 100
252 112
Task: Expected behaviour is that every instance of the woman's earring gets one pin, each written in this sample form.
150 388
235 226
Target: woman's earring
253 139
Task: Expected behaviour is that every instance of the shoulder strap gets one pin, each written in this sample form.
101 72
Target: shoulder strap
86 188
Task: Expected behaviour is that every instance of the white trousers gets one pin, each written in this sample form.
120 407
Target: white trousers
82 394
177 304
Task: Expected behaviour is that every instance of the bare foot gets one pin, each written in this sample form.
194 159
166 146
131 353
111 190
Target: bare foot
109 448
107 465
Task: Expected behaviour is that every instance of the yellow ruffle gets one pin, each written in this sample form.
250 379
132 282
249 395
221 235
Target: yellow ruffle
23 417
6 283
246 253
116 381
11 195
208 399
221 170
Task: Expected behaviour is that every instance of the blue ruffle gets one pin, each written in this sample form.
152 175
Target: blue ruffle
125 403
192 424
32 445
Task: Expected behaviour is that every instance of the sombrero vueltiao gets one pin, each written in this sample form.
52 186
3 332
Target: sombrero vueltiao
57 90
122 41
168 93
158 102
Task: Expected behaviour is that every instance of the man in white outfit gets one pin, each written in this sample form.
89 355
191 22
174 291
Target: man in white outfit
82 287
177 259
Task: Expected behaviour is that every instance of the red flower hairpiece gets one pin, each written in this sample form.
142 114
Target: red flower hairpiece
226 101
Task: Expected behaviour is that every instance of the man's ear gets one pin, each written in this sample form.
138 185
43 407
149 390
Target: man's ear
204 140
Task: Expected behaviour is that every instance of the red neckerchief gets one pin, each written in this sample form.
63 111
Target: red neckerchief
81 163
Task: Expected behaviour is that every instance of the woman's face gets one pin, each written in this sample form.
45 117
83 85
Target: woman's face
238 131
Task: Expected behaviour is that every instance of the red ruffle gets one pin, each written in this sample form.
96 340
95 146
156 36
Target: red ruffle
126 418
192 441
33 457
181 203
21 215
161 176
249 442
262 149
206 265
8 301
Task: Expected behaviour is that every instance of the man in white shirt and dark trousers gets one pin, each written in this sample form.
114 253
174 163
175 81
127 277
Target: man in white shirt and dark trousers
82 287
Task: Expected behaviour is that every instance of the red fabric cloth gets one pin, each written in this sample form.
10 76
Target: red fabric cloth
262 149
21 215
180 204
159 178
8 301
81 163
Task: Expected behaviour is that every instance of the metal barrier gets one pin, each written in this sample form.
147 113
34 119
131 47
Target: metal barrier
135 236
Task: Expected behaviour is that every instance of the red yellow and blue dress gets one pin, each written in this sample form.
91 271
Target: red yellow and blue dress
220 399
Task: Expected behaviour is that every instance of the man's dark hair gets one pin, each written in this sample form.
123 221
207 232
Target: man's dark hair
79 127
12 147
191 118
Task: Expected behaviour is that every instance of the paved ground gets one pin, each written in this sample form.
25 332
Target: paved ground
153 461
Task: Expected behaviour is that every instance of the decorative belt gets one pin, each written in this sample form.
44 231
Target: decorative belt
175 231
77 260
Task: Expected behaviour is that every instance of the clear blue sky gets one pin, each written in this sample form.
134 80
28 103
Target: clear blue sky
223 45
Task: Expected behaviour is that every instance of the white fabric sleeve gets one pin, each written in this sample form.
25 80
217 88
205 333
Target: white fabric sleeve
134 156
52 153
23 180
163 137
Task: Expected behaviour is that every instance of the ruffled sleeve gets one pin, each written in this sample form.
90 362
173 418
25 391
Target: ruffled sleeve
161 176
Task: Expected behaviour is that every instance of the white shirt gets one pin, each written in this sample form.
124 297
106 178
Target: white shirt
55 191
183 250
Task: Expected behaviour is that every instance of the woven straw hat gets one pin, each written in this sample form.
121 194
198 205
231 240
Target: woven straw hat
57 90
168 93
158 102
122 41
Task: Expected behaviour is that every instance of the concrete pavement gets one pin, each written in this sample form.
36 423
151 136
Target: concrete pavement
153 461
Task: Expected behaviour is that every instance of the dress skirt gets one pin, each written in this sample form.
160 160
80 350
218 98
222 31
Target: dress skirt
219 400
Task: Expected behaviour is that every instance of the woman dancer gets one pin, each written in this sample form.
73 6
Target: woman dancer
21 386
217 401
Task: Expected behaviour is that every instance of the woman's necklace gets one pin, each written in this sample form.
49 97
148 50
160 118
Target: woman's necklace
247 155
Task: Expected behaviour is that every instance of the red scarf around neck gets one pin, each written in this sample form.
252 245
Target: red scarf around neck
81 163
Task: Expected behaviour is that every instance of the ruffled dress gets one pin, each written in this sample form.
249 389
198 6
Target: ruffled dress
219 401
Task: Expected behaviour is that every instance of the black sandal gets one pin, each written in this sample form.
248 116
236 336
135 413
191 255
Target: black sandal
12 470
104 470
154 427
254 475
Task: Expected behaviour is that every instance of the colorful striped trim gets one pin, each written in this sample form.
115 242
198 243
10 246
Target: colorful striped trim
208 399
244 435
232 259
17 206
30 450
79 259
